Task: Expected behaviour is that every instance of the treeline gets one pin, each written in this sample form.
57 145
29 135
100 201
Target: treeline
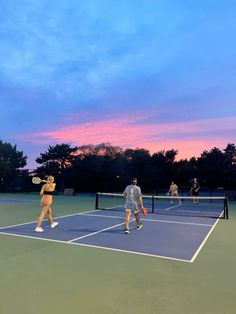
108 168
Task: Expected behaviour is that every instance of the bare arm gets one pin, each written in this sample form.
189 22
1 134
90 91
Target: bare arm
140 201
42 189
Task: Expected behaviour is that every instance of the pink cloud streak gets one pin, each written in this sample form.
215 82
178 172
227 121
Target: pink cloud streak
188 137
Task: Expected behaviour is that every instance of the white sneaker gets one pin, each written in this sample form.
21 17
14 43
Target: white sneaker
38 229
54 224
140 226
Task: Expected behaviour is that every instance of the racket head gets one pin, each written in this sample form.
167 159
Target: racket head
36 180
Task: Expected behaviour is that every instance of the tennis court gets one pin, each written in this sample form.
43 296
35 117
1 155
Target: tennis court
87 264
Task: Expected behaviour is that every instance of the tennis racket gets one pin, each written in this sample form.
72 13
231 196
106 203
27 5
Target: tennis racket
37 180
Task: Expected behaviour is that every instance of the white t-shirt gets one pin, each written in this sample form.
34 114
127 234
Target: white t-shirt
132 193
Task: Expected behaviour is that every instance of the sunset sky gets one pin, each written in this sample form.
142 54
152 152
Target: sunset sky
153 74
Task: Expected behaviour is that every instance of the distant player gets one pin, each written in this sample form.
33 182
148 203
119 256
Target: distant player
194 191
173 191
46 202
133 196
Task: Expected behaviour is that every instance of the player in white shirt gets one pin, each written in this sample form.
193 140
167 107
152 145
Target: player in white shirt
133 196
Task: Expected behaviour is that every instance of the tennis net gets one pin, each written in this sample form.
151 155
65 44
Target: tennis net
202 206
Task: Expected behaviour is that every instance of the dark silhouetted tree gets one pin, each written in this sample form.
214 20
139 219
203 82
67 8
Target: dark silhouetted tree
56 161
11 162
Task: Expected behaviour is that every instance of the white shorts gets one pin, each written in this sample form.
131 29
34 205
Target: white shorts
132 206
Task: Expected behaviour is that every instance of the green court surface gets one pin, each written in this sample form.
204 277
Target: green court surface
39 276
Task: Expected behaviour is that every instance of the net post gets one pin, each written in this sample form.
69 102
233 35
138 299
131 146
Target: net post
226 208
210 196
96 201
152 204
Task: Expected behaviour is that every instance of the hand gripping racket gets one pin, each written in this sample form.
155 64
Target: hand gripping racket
144 210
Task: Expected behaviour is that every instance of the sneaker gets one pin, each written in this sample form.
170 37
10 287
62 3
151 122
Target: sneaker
38 229
127 231
54 224
140 226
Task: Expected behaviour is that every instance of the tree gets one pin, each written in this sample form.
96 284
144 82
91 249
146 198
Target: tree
108 168
162 163
55 161
103 149
211 166
183 174
137 165
11 162
98 167
230 165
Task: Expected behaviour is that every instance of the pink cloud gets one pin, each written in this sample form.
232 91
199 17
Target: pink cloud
189 138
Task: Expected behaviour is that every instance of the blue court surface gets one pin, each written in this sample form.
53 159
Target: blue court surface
172 237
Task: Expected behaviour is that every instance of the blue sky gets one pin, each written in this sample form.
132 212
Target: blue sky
149 74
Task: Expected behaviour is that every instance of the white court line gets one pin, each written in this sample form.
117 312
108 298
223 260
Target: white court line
89 213
99 231
154 220
133 252
76 214
188 211
104 216
204 241
97 247
58 217
17 225
178 222
197 211
171 207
